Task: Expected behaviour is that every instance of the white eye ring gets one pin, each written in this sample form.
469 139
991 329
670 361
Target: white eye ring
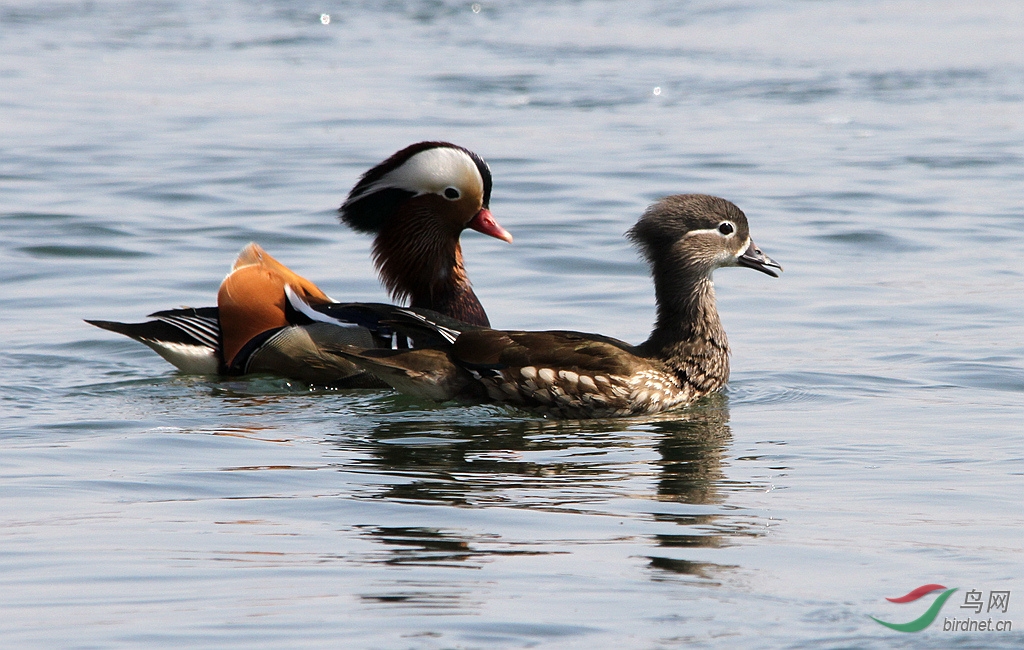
726 228
452 193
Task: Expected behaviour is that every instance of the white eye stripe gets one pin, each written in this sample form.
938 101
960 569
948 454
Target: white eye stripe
703 231
431 172
712 231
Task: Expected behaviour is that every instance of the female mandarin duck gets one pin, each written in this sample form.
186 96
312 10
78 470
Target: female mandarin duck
571 374
269 319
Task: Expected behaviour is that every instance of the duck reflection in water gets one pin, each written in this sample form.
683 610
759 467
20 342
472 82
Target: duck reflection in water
568 466
692 455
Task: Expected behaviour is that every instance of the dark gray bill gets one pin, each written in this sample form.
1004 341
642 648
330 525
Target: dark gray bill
753 258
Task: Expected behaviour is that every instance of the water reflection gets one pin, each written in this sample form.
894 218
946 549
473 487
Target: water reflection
417 545
482 461
692 451
481 457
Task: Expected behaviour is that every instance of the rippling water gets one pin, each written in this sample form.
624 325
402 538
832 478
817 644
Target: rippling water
869 442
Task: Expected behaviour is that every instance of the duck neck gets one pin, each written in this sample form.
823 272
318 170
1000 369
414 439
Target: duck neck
688 336
451 294
424 266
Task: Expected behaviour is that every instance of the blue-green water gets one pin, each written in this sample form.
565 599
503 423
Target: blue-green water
869 442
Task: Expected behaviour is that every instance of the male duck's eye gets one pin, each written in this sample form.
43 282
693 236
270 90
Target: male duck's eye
451 193
726 228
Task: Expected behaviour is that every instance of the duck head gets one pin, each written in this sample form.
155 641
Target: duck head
417 203
686 237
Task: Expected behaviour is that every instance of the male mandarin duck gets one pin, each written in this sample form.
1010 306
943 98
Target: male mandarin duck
571 374
269 319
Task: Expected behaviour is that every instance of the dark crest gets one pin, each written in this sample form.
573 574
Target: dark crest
367 211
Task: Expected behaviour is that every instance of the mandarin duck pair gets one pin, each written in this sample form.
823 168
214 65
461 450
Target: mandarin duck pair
416 203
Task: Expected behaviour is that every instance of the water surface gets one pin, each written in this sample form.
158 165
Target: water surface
869 442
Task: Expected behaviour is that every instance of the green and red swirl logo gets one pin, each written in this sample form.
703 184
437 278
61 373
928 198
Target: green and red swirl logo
925 619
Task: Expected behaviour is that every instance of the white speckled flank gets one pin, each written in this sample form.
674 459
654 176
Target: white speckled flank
567 393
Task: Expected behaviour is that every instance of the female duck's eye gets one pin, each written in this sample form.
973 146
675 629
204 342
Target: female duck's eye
726 228
451 193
